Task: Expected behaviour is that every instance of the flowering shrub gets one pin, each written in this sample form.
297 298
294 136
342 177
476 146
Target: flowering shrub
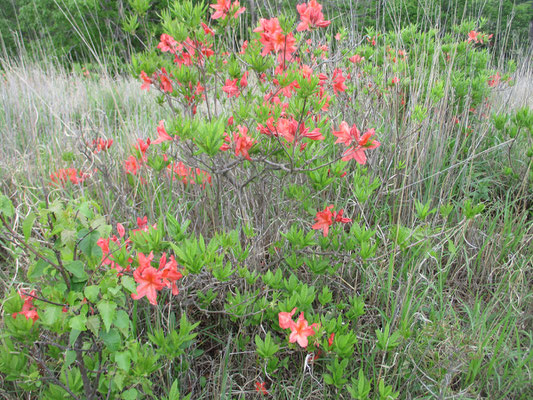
263 134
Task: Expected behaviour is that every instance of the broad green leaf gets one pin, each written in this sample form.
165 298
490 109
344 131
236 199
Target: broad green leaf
77 269
51 315
91 293
6 207
93 324
107 312
130 394
129 283
122 322
123 360
88 243
37 269
111 339
78 322
70 356
27 225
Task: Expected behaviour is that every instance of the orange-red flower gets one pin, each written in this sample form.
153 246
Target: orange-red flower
146 81
494 80
231 88
260 388
163 135
243 142
338 81
311 16
324 219
224 7
149 279
347 135
167 43
28 309
301 330
64 175
356 59
131 165
285 319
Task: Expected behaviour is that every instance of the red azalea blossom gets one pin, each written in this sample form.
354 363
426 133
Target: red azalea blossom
244 80
358 152
338 81
494 80
64 175
163 135
28 309
101 144
347 135
146 81
231 88
324 219
339 218
260 388
166 85
473 37
301 330
243 142
207 30
148 278
356 59
330 339
311 16
223 7
167 43
131 165
285 319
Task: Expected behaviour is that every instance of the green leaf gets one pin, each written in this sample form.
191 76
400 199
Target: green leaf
122 322
77 269
123 360
88 244
130 394
91 293
78 322
129 283
73 336
107 312
37 270
27 225
70 356
111 339
93 324
51 315
6 207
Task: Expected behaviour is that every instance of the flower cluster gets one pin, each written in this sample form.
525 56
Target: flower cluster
114 259
28 309
101 144
494 80
478 37
152 280
273 39
188 175
233 87
300 330
64 175
224 7
324 219
311 16
347 136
